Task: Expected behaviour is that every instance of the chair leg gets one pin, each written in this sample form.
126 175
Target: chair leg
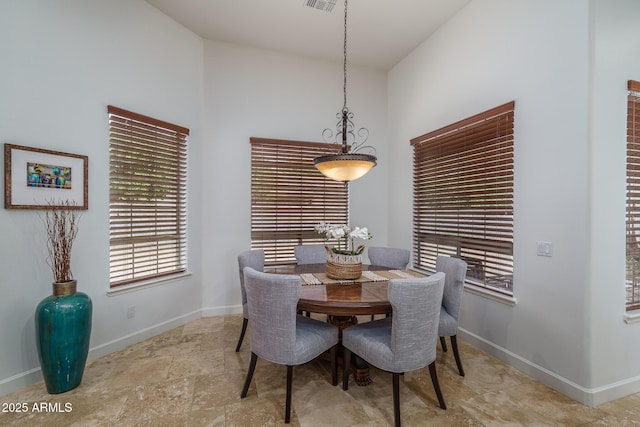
436 385
396 399
287 409
346 367
443 343
456 354
245 321
334 365
247 381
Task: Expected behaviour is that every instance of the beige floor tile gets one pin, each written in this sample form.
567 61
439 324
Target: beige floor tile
626 418
530 403
484 374
204 325
149 403
215 417
143 371
200 363
191 376
254 412
622 404
217 390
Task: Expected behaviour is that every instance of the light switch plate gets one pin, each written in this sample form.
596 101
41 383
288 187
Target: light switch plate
545 248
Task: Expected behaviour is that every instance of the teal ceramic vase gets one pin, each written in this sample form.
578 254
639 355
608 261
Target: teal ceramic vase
63 331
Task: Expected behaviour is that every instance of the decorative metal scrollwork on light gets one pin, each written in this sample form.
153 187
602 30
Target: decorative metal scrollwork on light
356 158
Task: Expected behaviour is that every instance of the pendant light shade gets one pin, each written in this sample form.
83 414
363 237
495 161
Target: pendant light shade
347 165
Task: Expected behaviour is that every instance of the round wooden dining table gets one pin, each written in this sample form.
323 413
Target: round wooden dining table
345 299
343 302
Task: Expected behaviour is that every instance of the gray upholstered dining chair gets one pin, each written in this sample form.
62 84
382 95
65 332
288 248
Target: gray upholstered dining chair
278 334
396 258
389 257
455 270
254 259
310 254
404 342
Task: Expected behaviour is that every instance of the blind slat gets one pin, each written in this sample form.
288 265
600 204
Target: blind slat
633 198
147 197
463 196
289 197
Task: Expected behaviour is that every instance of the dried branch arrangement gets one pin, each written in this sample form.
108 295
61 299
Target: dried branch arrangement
61 222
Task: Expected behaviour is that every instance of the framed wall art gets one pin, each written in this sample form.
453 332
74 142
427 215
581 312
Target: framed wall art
35 178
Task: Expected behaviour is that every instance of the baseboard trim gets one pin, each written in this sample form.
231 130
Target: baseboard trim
587 396
141 335
20 381
615 390
32 376
221 311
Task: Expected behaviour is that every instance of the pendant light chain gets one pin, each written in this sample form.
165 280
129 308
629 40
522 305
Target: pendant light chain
348 165
345 56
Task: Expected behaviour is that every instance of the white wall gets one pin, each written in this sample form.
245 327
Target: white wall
614 345
63 62
253 92
66 62
538 54
564 63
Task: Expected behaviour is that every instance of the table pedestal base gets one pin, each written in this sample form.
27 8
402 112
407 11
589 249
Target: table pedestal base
359 366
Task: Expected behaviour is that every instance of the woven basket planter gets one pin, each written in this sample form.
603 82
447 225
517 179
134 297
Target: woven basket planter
343 267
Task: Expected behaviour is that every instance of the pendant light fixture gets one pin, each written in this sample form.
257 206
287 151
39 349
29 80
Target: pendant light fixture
353 164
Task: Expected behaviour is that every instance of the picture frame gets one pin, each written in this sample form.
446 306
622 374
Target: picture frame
35 178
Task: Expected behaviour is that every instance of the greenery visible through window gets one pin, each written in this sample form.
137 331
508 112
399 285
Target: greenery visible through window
463 197
289 197
633 196
147 197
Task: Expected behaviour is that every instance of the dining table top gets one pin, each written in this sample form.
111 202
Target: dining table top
345 298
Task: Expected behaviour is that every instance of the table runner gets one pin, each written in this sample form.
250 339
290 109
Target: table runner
308 279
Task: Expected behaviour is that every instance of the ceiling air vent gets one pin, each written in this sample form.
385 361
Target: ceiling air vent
326 5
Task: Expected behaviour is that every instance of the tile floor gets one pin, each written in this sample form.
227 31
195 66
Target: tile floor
191 376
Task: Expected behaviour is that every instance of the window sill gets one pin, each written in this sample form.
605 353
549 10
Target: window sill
483 292
493 296
632 316
124 289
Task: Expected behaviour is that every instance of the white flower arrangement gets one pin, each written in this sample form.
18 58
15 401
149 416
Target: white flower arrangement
344 233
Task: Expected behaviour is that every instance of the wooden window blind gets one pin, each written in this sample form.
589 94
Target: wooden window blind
463 197
147 197
289 197
633 196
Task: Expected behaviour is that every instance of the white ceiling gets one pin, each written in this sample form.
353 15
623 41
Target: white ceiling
380 32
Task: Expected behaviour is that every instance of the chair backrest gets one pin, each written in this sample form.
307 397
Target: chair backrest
310 254
252 258
272 301
414 326
455 270
389 257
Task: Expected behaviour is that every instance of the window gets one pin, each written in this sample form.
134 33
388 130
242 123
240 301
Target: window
463 197
147 197
289 197
633 196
